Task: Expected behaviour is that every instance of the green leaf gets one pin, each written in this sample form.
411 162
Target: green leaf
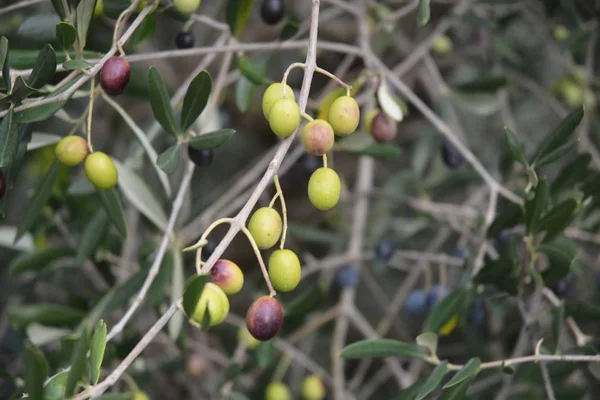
458 392
59 6
20 90
44 69
24 59
70 65
44 111
561 254
515 146
244 93
41 196
558 319
411 392
560 135
535 207
4 64
55 388
92 236
423 12
211 140
9 139
35 369
191 293
237 13
572 173
557 153
97 351
195 99
144 31
161 106
511 215
66 35
169 159
582 311
253 73
44 314
435 378
40 139
139 194
177 281
38 259
382 348
558 218
265 353
78 361
483 84
470 369
84 14
446 309
428 340
114 208
502 273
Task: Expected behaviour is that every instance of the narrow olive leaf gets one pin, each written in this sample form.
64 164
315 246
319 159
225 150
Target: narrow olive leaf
483 84
561 254
41 139
470 369
458 392
511 215
423 12
557 153
237 13
446 309
59 6
382 348
4 64
191 293
44 68
114 208
560 134
195 99
35 372
558 319
84 13
435 378
168 161
411 392
254 74
515 146
558 218
572 174
535 207
9 139
244 93
97 351
70 65
177 288
139 194
38 259
44 111
20 90
428 340
92 236
41 196
66 35
211 140
161 105
78 361
55 387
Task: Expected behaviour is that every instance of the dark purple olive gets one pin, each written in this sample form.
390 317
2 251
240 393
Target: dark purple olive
201 158
264 318
272 11
383 128
452 158
114 75
184 40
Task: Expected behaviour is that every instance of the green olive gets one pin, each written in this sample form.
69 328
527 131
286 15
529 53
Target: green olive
215 301
100 170
284 270
324 188
251 342
277 391
344 115
265 227
312 388
273 93
72 150
186 6
284 117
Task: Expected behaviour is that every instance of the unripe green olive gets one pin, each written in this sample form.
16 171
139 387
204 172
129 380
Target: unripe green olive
251 342
312 388
228 276
284 117
99 9
71 150
317 137
324 189
273 93
442 44
344 115
284 270
215 301
186 6
561 32
265 226
277 391
572 94
100 170
139 395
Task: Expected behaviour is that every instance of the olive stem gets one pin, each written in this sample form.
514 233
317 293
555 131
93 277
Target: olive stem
287 72
283 210
261 262
307 117
324 160
273 200
335 78
90 115
208 230
120 22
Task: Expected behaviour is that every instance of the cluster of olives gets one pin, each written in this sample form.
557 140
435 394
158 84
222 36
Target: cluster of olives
312 389
281 110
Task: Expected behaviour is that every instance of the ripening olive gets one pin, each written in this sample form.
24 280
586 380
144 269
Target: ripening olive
114 75
228 276
71 150
344 115
264 318
383 128
317 137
